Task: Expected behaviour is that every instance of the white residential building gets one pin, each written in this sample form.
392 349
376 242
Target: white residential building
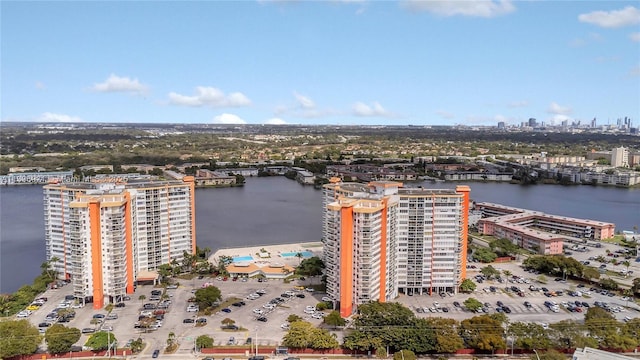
109 235
381 239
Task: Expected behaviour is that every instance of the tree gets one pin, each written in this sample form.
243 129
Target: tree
312 266
448 339
549 355
404 355
60 338
589 273
528 336
299 335
208 296
293 318
228 321
636 285
484 255
609 284
504 247
570 334
472 304
142 298
136 345
204 342
334 319
490 272
467 286
101 340
483 333
600 323
18 337
626 264
171 341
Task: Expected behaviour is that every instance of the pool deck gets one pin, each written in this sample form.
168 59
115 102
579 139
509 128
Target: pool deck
273 250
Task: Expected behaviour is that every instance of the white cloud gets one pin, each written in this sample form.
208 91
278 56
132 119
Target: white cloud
228 119
635 71
518 104
210 96
39 85
635 37
445 114
52 117
375 109
116 83
612 19
275 121
557 109
589 39
478 8
303 101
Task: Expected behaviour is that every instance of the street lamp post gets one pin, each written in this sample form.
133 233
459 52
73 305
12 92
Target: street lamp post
537 356
256 341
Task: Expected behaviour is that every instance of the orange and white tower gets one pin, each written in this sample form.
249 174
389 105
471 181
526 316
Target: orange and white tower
106 235
381 239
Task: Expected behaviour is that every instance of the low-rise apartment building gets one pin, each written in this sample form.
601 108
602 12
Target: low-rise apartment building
537 231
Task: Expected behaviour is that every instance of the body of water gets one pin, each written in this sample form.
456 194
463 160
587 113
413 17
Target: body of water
277 210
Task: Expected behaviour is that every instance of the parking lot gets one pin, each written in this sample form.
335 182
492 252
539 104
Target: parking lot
536 312
269 332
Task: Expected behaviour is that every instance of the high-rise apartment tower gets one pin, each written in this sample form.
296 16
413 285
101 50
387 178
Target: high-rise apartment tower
381 239
108 235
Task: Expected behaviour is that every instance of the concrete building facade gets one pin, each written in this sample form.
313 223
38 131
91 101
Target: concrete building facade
106 236
537 231
381 239
620 157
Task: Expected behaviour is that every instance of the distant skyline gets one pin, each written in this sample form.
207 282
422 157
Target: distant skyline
351 62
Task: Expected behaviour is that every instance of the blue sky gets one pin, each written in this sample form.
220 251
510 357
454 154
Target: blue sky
332 62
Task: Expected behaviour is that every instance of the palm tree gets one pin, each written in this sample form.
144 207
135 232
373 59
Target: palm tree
626 264
506 273
171 339
206 252
142 298
299 256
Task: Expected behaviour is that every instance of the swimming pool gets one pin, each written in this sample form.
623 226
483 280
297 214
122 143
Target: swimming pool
306 254
243 258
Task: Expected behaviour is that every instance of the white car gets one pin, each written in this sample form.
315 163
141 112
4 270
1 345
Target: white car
284 326
309 307
290 293
107 328
24 314
192 308
309 311
317 315
326 298
258 311
269 306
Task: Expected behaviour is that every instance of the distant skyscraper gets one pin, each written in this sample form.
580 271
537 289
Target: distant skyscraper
501 125
593 123
533 122
381 239
109 235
